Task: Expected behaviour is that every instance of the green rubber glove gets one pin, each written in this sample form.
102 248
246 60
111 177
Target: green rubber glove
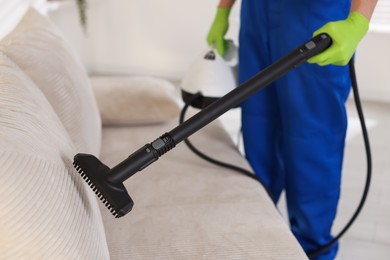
346 35
218 30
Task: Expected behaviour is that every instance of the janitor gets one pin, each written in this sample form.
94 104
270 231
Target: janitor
294 130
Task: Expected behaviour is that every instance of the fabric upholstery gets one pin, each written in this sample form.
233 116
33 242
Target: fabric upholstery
135 100
40 50
46 210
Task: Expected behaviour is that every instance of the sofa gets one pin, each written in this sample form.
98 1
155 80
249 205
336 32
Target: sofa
185 207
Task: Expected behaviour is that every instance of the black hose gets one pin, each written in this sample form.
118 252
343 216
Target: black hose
369 165
359 109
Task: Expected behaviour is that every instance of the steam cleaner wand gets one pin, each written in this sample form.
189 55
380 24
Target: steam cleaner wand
108 183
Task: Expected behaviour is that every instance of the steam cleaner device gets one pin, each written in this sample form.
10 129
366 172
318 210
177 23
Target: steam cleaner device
108 183
210 76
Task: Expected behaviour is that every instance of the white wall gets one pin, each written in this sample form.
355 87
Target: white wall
373 66
140 37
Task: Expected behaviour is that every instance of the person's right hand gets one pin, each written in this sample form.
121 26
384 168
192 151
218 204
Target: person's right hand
218 30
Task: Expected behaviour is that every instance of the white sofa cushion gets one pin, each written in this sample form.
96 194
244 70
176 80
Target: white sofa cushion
135 100
40 50
46 210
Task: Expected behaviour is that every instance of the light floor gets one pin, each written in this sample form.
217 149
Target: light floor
369 236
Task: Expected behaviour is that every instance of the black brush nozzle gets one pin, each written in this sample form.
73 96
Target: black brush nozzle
95 173
108 183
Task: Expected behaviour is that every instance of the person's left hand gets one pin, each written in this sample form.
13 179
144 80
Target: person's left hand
220 26
346 35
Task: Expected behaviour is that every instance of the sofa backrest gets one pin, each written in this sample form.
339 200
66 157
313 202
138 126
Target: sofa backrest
41 51
47 211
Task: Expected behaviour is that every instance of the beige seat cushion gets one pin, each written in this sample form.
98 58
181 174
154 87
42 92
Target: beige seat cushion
39 49
46 209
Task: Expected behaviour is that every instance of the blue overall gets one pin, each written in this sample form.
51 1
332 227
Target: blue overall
294 130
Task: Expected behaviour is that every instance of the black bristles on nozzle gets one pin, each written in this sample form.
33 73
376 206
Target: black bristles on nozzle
95 173
108 183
